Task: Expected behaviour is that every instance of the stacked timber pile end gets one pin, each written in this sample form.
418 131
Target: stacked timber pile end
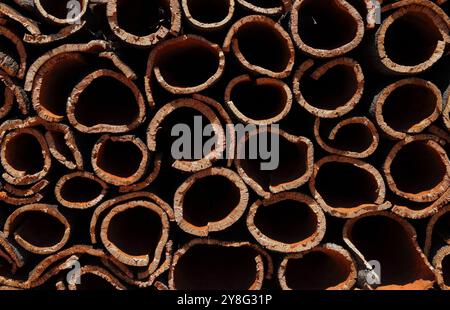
225 144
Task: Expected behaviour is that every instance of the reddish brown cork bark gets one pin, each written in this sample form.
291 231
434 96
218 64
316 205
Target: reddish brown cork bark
326 267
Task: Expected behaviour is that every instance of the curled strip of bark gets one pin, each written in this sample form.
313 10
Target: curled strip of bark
228 124
9 63
93 47
63 33
418 169
347 187
56 12
26 192
110 164
25 156
38 228
272 8
340 87
392 241
274 99
407 107
338 29
353 137
63 147
158 122
326 267
437 227
150 278
56 78
441 262
261 46
446 113
12 93
88 271
140 196
287 222
144 24
20 201
403 45
29 24
10 254
148 179
206 15
211 264
90 113
137 238
193 199
286 176
80 190
184 65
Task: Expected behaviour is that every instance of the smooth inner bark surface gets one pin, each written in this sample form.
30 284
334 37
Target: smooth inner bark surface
143 17
262 45
24 153
119 158
408 105
384 239
39 228
210 199
323 24
211 267
343 185
136 231
207 11
258 102
332 90
106 101
187 64
80 189
417 168
287 221
411 39
317 270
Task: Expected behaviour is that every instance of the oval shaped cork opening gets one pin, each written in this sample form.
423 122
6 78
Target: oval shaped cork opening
260 101
418 169
54 81
120 160
57 11
345 187
38 228
208 15
391 241
143 23
411 39
287 222
210 200
331 90
106 101
250 39
326 28
135 233
327 267
353 137
288 163
407 107
216 265
181 117
186 64
25 155
80 190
